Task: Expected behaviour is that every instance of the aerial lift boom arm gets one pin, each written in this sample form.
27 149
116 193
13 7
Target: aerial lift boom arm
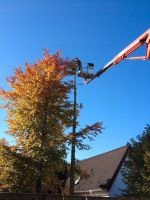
144 38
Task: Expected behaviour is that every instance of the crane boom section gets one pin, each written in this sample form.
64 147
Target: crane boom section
133 46
144 38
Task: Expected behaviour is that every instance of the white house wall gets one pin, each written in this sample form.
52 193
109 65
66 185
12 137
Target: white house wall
117 185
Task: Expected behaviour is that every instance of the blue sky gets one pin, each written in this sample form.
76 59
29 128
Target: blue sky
95 31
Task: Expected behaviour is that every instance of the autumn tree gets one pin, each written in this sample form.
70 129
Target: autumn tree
136 171
38 112
16 170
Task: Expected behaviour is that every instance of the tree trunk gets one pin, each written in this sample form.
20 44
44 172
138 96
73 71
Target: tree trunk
72 168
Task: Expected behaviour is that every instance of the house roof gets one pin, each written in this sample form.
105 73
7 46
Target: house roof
102 170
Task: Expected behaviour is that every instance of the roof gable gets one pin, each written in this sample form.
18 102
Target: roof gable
102 169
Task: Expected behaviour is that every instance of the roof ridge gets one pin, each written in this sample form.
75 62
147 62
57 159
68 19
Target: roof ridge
104 153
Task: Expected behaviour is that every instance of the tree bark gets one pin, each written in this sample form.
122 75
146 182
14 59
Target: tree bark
72 168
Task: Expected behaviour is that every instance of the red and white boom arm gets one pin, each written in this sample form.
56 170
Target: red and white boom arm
144 38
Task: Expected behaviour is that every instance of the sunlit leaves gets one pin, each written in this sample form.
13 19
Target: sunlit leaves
38 111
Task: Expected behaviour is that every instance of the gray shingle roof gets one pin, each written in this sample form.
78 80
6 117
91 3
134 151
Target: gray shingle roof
102 169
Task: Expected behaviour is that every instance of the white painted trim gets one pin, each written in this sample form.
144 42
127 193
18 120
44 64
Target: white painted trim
94 190
100 192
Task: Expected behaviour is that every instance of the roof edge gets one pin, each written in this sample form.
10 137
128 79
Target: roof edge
103 153
118 169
